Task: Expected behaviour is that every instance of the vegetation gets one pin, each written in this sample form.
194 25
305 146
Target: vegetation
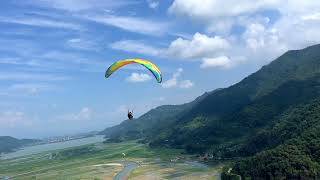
269 120
150 123
91 162
75 152
236 113
296 138
8 143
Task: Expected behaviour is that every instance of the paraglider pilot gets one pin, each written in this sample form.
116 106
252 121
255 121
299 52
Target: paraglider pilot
130 116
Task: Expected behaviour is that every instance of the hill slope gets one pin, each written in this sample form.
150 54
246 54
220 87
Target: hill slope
151 122
8 143
270 119
292 147
226 119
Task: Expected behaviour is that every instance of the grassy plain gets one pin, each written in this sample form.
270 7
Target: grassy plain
105 161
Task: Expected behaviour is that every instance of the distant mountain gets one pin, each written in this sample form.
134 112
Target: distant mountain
8 143
270 120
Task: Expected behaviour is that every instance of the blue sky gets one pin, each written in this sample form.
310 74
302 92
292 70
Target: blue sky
54 53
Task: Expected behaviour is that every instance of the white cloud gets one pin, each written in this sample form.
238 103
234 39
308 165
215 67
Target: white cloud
264 38
186 84
207 9
200 46
136 77
68 57
136 47
215 16
216 8
305 32
31 88
170 83
222 61
20 76
178 73
34 55
175 81
81 5
153 4
221 26
313 16
18 61
262 41
256 36
122 109
83 44
159 99
290 25
133 24
84 114
12 119
298 7
182 35
41 22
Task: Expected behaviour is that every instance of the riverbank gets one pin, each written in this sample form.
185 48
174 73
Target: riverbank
40 148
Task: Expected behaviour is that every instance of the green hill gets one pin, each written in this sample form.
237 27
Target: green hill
290 147
8 143
224 120
151 122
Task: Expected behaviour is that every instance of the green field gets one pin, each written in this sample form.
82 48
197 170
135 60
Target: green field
105 161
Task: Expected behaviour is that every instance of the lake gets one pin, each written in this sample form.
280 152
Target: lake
53 146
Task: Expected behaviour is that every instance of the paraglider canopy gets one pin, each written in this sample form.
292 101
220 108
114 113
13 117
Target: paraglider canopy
148 64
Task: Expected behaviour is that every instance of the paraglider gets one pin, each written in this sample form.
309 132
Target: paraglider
124 156
149 65
130 116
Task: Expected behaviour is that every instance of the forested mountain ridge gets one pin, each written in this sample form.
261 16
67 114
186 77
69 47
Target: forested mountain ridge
289 149
227 117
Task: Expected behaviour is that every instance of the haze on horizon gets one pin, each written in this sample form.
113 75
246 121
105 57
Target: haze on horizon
54 54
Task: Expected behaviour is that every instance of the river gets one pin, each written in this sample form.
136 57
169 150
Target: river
128 168
29 150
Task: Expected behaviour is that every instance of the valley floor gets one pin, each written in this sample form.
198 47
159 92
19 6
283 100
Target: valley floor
128 160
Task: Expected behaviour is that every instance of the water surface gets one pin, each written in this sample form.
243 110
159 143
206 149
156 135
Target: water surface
50 147
128 168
